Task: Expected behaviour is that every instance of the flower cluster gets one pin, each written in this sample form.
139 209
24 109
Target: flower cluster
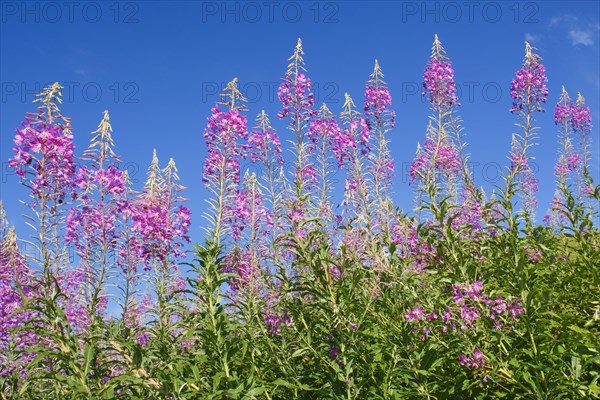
528 89
273 317
47 150
162 229
224 130
520 166
471 305
94 221
438 83
14 272
264 145
413 245
324 127
476 360
434 158
248 210
247 273
158 219
296 96
576 115
581 118
353 137
377 100
469 213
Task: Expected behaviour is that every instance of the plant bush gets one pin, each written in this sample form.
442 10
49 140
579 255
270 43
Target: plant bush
294 294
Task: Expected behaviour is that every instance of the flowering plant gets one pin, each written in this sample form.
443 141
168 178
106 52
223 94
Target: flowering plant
301 288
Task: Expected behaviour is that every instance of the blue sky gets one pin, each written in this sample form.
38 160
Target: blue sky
157 66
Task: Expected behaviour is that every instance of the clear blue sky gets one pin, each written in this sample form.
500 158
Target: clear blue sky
156 66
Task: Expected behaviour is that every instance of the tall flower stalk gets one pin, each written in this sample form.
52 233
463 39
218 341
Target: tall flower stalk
529 92
297 100
567 162
352 150
439 167
15 290
380 119
162 224
94 223
221 173
265 150
44 160
128 259
582 127
572 170
322 133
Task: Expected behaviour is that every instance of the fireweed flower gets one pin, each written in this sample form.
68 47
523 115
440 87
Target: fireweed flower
433 158
224 129
322 134
352 148
380 119
44 159
297 105
159 218
439 163
469 312
128 259
581 122
410 245
528 89
14 272
417 314
274 316
242 263
161 224
264 148
438 79
93 224
469 213
521 169
351 142
568 164
263 142
221 173
477 360
529 93
46 152
72 284
294 92
574 122
248 213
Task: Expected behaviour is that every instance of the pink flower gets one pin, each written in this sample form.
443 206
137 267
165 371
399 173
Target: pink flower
295 96
433 158
224 130
476 360
46 152
438 83
528 89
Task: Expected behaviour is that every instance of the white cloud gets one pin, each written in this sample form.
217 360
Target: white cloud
580 37
566 19
83 72
532 38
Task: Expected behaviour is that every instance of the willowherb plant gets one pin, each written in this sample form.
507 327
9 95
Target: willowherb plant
380 120
297 101
304 287
221 172
93 224
45 161
529 92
